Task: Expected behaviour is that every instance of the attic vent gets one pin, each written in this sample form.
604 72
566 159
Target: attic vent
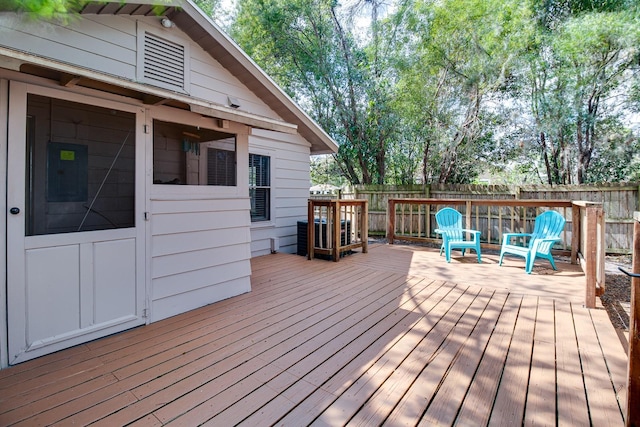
164 63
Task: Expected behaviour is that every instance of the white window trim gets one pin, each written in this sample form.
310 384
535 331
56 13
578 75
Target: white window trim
272 168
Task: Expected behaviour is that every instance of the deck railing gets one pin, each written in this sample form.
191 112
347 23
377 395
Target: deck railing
336 226
582 238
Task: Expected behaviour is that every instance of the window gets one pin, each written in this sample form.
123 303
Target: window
260 187
189 155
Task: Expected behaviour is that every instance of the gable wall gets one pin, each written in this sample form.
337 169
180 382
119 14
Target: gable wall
108 44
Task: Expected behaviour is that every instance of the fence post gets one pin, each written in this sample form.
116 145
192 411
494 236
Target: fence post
310 229
364 224
336 213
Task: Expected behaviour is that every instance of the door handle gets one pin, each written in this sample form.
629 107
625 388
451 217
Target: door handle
14 211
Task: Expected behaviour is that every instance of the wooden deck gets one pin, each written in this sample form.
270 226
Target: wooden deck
395 337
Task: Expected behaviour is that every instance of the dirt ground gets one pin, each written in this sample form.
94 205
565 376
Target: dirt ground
617 296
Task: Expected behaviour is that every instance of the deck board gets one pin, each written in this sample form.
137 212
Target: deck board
509 405
572 407
541 396
393 337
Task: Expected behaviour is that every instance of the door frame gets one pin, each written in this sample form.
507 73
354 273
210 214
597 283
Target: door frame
4 124
15 114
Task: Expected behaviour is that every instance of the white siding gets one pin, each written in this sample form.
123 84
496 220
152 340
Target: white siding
84 43
108 44
198 240
199 253
290 185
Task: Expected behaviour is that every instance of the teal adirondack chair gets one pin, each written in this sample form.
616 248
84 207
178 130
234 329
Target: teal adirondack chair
453 235
546 231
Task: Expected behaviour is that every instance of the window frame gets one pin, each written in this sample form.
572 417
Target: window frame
180 192
270 220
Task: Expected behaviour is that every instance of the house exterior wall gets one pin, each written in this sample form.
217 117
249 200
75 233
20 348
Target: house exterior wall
110 44
199 239
290 190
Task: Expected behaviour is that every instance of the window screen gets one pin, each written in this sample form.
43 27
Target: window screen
188 155
221 167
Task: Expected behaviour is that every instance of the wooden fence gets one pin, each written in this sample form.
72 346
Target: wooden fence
619 201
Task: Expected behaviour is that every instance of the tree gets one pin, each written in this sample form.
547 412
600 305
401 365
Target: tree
581 75
453 77
305 46
44 9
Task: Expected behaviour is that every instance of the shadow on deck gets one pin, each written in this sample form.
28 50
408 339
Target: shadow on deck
396 336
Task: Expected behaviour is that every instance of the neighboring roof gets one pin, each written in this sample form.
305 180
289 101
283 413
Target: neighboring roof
323 188
203 31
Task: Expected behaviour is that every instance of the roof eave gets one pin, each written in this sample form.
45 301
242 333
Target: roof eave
187 16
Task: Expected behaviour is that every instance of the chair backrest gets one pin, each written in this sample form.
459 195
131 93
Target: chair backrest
548 224
450 222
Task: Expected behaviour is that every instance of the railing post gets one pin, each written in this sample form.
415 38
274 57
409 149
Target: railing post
391 220
364 224
633 380
310 229
590 251
575 232
335 208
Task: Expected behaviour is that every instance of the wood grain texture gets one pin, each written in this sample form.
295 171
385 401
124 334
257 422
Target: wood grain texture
390 337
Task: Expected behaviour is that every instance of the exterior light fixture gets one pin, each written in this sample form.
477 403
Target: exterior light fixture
167 23
233 103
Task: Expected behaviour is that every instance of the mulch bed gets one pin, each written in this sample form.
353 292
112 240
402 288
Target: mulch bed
617 296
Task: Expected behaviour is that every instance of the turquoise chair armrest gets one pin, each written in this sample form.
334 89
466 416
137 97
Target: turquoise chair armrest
475 233
506 237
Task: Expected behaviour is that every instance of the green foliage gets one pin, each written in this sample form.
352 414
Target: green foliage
44 9
309 51
325 170
616 160
448 90
579 83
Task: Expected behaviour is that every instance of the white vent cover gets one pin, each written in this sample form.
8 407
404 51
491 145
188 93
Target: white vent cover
163 63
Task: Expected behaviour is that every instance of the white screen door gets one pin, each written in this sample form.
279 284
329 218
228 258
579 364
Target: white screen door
75 240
